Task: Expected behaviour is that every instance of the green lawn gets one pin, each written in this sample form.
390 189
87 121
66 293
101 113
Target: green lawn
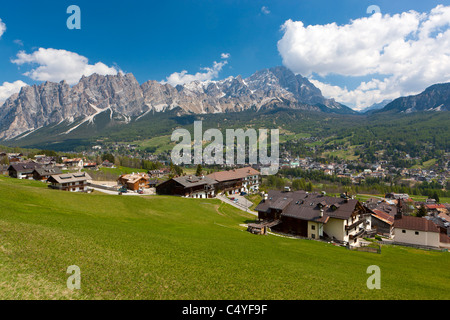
174 248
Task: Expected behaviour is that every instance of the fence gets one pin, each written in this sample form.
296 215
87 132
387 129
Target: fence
368 248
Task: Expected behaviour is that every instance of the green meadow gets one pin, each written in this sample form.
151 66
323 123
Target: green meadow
157 247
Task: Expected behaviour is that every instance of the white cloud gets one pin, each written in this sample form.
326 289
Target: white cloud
409 51
18 42
265 10
8 89
209 73
56 65
2 28
225 55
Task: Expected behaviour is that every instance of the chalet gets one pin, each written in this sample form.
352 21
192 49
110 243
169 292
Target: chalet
382 219
23 170
134 181
76 162
156 173
74 182
397 196
188 186
314 215
108 164
90 165
236 180
45 172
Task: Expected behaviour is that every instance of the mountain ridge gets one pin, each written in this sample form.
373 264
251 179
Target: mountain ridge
51 103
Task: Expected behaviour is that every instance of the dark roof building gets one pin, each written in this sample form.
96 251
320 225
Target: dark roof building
188 186
45 172
314 215
23 170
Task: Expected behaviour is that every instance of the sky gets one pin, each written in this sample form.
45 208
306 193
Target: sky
357 56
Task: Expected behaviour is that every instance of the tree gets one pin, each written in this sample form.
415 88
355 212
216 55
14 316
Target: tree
199 171
436 197
108 156
422 212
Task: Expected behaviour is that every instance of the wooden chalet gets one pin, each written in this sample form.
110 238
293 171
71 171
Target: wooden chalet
45 172
236 180
188 186
134 181
23 170
74 182
382 218
314 215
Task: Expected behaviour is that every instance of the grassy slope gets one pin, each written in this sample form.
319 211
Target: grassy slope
174 248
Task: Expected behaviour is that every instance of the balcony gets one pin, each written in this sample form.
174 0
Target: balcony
354 225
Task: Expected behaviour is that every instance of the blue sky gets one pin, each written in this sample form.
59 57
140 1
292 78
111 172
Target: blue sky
154 39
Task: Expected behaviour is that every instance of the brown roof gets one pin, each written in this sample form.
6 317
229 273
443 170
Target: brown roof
383 216
133 177
233 174
415 223
306 206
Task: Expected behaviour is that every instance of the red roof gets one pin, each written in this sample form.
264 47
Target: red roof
435 206
383 216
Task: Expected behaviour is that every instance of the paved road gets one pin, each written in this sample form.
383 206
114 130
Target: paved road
242 204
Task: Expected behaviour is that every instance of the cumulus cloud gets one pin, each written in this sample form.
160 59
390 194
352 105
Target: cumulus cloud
208 73
2 27
56 65
408 51
8 89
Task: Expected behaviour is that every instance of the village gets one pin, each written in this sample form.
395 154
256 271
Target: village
342 219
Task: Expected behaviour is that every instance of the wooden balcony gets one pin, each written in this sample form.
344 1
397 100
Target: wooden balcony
353 225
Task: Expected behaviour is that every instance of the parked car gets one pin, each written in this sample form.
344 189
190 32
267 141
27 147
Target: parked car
243 193
123 190
141 191
232 198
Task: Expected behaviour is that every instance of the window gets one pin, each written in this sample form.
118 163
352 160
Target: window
403 231
313 227
313 236
417 233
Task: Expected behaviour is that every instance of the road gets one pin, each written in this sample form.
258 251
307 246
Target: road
242 203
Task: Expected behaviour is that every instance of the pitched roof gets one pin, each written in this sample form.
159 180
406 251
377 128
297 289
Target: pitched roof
70 177
134 177
233 174
48 171
193 181
307 206
24 166
383 216
415 223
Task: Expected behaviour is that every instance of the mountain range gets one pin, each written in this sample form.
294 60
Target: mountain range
125 100
120 99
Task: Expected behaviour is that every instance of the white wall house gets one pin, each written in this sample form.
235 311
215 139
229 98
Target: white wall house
416 231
